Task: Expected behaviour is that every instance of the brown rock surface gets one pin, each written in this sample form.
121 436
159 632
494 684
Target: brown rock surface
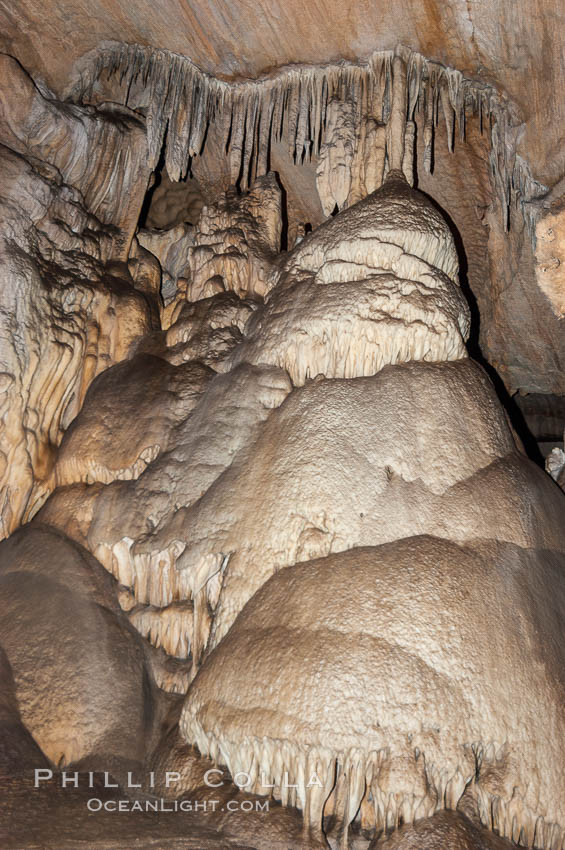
444 831
79 671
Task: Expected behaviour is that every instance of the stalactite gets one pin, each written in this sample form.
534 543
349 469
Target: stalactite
429 127
292 105
415 76
448 114
337 156
397 123
408 157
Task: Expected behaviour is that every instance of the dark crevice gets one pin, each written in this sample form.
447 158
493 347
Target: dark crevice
284 212
513 412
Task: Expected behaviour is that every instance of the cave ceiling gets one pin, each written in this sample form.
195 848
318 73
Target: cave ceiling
513 46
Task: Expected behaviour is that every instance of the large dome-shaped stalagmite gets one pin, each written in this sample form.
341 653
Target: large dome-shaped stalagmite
403 672
382 682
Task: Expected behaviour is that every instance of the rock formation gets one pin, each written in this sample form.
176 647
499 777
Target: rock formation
371 287
80 674
555 465
345 686
261 514
265 703
69 309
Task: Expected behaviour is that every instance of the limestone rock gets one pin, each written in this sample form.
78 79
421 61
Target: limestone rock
320 526
208 330
555 465
79 669
174 204
145 271
119 522
444 829
101 153
172 249
19 753
73 181
241 45
333 177
360 462
236 241
128 419
550 258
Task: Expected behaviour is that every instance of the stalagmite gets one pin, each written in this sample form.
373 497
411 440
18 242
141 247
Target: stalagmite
235 242
209 329
199 433
429 726
171 247
371 287
341 666
128 419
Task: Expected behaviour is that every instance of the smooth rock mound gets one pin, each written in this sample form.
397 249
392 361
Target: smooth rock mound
398 676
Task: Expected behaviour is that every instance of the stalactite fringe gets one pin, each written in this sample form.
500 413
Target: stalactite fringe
292 104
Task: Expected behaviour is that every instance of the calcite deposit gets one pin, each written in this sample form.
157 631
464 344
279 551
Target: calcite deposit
374 286
392 732
266 516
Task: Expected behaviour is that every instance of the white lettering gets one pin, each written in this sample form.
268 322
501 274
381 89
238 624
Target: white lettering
207 780
39 778
132 784
264 783
171 776
286 783
69 779
242 784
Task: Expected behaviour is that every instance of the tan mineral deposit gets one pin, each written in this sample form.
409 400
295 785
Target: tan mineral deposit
282 405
